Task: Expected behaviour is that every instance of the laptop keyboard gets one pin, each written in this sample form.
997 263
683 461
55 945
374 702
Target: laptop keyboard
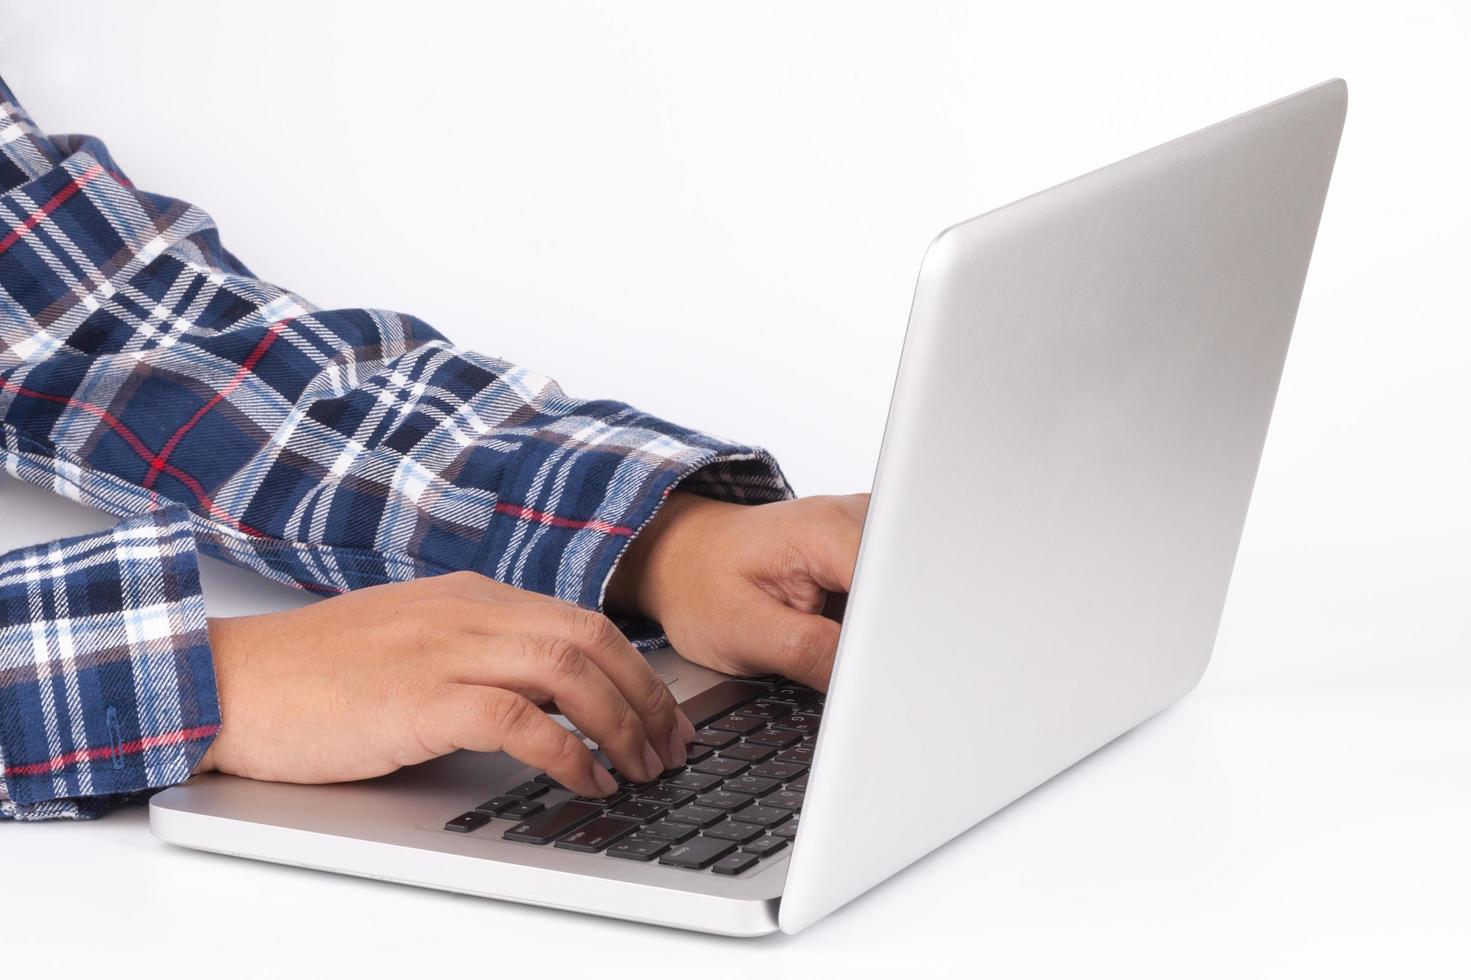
736 802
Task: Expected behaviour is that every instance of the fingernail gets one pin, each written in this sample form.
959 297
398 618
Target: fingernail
604 779
686 729
678 756
653 765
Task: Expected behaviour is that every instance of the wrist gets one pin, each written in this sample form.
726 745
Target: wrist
652 563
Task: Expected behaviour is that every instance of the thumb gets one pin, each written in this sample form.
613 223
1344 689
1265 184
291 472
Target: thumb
800 646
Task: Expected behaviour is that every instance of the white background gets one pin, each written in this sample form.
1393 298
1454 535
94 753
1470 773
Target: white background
717 214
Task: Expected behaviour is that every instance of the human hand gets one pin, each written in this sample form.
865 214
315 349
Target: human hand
741 588
363 683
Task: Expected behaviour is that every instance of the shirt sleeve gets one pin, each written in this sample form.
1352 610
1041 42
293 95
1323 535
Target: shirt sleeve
106 682
144 370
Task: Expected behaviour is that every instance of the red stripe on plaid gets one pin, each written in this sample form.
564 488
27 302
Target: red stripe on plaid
552 520
57 200
136 444
157 464
108 751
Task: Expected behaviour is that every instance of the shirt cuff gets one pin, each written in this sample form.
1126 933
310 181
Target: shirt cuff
107 684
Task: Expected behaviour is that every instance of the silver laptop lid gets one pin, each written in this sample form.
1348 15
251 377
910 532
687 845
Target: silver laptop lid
1074 432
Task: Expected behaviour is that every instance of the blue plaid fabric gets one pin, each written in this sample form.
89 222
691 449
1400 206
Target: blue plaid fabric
146 372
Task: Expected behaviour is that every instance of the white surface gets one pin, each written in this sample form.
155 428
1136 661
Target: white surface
741 197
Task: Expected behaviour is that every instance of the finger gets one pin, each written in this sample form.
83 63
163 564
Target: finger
552 668
486 719
603 643
797 645
829 539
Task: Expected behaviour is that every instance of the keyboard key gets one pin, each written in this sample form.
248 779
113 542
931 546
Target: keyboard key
719 799
748 752
734 864
722 767
698 853
528 790
670 795
548 826
770 710
597 834
800 754
708 705
498 805
606 801
698 753
639 848
696 781
741 833
522 809
669 830
788 829
778 770
753 785
801 722
714 739
773 737
700 816
786 799
548 780
798 785
765 846
638 810
766 816
467 822
738 723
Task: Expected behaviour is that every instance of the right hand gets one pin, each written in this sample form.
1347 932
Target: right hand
363 683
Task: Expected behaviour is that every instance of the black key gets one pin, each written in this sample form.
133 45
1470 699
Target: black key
801 722
778 770
709 705
714 739
738 723
798 692
544 778
697 781
498 805
698 853
764 846
670 795
770 710
722 767
547 827
698 753
639 849
698 815
738 832
719 799
606 801
597 834
786 799
787 830
798 785
754 785
628 783
748 752
775 737
766 816
467 822
528 790
734 864
669 830
800 754
522 809
638 810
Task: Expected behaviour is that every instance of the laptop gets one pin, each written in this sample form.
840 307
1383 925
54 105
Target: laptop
1073 436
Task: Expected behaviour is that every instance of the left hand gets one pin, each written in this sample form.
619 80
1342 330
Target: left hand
741 588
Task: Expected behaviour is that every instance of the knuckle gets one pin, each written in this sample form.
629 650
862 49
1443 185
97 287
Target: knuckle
509 712
592 628
561 659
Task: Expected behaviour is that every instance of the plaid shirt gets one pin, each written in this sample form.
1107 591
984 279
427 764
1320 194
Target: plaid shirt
146 372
